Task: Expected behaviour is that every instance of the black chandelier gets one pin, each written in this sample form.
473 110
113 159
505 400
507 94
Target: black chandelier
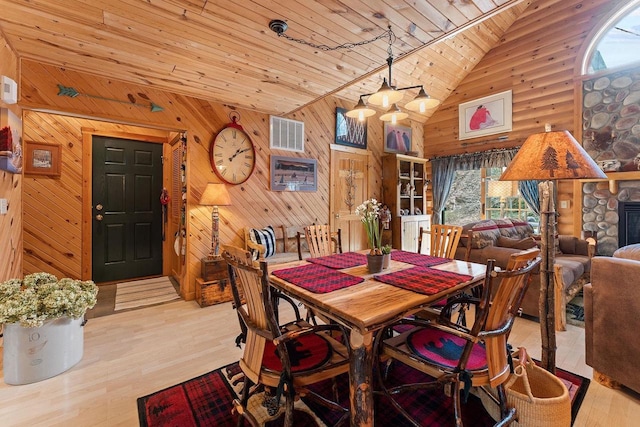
387 96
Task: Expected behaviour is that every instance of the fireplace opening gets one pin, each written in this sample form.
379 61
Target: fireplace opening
629 225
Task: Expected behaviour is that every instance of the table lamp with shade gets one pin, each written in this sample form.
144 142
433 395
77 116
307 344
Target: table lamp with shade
546 157
215 195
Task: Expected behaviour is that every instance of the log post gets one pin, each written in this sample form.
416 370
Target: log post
360 381
547 289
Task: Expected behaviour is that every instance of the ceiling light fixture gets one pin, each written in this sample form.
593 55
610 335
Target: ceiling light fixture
387 96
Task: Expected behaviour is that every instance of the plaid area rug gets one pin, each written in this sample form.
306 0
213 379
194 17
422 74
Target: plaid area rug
207 401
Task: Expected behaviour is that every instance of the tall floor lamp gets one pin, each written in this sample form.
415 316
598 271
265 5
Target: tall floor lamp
215 195
547 157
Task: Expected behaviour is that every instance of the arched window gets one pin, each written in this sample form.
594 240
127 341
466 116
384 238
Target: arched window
618 42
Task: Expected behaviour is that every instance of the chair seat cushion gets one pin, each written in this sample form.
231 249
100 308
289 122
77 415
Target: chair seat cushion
305 353
444 349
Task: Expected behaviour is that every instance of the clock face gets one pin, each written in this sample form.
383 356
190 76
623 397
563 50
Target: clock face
232 155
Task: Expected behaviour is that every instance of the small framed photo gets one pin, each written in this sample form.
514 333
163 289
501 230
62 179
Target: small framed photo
294 174
397 139
485 116
42 159
349 131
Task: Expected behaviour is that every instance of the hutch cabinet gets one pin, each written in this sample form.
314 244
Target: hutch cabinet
404 187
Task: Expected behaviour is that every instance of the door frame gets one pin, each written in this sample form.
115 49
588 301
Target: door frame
334 177
87 193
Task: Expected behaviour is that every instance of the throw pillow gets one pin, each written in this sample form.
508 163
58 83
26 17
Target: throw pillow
516 243
506 227
485 233
523 228
265 237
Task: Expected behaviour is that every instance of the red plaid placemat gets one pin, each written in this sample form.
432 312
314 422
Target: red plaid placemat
417 259
424 280
317 278
340 261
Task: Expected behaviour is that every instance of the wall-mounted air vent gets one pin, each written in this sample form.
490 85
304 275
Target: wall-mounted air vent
286 134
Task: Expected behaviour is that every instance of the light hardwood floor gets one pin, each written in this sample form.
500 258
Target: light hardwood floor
131 354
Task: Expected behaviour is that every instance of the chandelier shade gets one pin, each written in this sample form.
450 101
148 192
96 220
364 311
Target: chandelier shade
360 111
394 115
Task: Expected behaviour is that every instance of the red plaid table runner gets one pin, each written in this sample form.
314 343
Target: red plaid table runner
424 280
340 261
417 259
317 278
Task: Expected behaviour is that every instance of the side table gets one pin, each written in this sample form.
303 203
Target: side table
213 287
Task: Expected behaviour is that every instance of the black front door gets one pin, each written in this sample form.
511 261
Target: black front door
127 214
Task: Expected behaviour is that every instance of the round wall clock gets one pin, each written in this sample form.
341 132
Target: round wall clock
232 155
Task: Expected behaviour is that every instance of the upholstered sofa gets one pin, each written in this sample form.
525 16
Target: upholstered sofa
611 307
498 239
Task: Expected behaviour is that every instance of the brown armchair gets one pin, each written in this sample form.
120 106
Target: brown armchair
611 304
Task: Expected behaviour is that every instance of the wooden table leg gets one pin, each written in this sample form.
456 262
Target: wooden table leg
361 379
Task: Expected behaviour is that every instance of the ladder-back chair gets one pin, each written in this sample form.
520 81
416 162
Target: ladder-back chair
459 356
321 241
285 357
444 239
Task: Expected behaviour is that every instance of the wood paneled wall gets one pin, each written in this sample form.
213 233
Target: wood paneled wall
53 206
536 58
10 186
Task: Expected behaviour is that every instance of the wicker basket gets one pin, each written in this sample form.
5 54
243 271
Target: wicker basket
540 398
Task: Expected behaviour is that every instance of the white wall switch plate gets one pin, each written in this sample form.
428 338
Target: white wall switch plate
4 206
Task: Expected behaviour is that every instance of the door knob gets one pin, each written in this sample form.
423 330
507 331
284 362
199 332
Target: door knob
99 207
99 217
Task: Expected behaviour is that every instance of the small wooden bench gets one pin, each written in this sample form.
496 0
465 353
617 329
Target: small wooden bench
286 245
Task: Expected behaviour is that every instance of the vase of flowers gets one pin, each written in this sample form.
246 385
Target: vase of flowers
43 319
369 213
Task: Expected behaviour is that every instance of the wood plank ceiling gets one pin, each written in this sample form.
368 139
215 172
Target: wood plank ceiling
224 51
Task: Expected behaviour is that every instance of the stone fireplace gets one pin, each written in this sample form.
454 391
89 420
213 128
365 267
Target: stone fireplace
601 213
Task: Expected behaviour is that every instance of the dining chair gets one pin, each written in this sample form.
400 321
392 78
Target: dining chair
457 356
444 239
321 241
282 357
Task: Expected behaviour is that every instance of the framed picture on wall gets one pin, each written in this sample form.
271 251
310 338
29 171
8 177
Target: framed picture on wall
42 159
10 141
350 132
293 174
485 116
397 139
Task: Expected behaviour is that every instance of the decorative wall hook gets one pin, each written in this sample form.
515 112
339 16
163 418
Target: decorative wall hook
72 93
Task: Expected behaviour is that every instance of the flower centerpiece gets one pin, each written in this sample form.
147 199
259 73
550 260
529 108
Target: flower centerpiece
369 212
41 296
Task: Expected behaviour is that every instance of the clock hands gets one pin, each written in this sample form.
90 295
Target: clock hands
238 151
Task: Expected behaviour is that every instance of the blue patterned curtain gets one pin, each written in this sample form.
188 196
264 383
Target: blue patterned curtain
530 194
443 173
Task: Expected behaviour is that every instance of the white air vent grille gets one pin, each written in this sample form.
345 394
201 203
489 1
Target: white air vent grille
286 134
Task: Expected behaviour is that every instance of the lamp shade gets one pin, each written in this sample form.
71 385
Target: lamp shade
394 115
360 111
551 156
215 195
500 189
422 102
385 96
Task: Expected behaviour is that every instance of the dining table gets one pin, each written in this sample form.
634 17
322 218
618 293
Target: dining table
341 288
